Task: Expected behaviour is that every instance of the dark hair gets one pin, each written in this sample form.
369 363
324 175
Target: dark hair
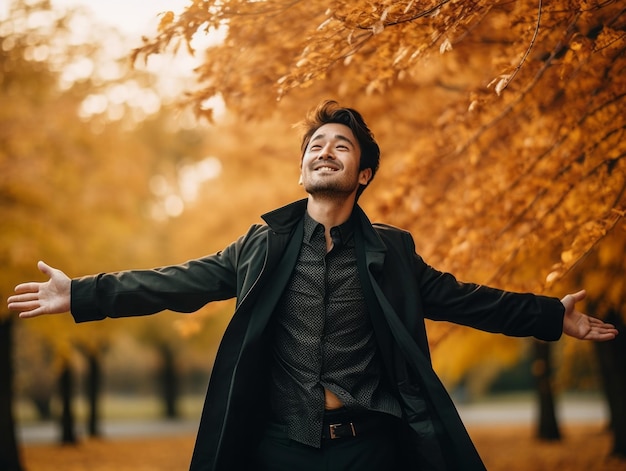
329 111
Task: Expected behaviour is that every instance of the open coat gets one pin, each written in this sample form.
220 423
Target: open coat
401 291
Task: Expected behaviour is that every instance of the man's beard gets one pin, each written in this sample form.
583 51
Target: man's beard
333 190
330 186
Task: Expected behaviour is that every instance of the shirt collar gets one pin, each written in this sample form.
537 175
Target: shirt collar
282 221
345 231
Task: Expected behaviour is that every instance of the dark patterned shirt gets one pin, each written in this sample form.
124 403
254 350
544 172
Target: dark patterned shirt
323 338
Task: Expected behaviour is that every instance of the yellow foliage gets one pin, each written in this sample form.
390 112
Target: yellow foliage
166 19
509 184
512 188
455 355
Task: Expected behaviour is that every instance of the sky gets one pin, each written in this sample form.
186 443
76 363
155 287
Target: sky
137 18
134 17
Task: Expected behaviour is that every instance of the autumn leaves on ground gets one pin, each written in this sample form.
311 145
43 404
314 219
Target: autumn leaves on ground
504 448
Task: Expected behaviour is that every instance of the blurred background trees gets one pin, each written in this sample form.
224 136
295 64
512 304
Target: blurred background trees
81 138
501 126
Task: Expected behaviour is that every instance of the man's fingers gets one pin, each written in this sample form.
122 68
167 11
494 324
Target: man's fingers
602 336
27 307
600 330
31 313
574 298
33 298
45 268
27 296
599 324
30 287
25 304
595 321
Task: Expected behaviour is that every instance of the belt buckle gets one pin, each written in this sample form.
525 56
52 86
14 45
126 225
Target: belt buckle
338 430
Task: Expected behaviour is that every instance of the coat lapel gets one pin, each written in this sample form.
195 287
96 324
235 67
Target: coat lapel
281 268
393 336
234 372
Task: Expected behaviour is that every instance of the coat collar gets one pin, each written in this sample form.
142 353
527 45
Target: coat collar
283 220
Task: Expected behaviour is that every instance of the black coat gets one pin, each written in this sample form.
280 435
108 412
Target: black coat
401 291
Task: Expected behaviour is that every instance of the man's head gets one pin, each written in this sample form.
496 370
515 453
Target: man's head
329 112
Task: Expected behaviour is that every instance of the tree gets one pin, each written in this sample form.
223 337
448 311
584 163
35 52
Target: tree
499 87
602 270
9 454
510 161
94 386
76 182
19 74
66 390
547 424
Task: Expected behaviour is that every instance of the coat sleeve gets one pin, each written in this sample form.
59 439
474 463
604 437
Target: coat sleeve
181 288
486 308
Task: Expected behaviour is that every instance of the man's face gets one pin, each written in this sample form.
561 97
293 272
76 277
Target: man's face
330 165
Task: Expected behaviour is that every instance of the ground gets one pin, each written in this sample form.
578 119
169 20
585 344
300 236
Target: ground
503 448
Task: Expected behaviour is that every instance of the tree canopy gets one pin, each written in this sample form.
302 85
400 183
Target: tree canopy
499 121
501 126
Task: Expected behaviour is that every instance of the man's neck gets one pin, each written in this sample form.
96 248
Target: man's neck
330 212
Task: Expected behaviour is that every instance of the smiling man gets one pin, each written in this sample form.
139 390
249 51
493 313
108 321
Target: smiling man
330 164
325 363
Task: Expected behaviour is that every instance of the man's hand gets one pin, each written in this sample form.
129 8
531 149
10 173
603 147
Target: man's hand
581 326
51 297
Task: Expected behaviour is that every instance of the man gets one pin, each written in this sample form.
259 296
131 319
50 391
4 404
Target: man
325 363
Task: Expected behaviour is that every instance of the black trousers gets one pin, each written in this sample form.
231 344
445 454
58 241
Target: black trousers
374 450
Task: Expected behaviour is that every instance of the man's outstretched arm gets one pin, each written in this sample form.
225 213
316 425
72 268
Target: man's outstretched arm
581 326
33 299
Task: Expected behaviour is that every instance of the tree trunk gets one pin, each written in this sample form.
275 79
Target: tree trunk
66 389
94 381
547 425
169 382
42 405
613 370
9 453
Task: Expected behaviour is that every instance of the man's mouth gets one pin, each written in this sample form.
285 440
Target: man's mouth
326 169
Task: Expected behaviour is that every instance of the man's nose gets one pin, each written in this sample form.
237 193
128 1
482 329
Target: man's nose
326 153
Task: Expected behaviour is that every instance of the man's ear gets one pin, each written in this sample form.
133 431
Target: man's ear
365 176
300 167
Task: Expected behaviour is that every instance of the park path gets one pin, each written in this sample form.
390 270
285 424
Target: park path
497 411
